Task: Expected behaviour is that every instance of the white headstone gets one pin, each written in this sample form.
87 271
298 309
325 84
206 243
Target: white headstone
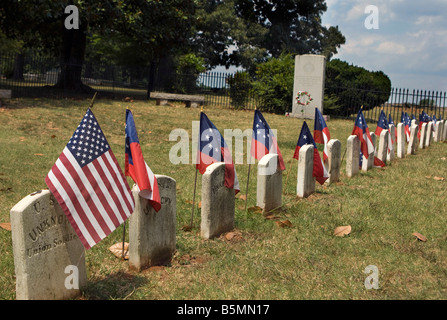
391 149
369 163
334 160
423 138
429 134
309 78
49 258
383 146
439 129
269 184
444 131
152 234
352 156
401 138
412 144
305 180
217 211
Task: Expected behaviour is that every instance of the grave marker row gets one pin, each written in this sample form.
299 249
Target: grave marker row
49 258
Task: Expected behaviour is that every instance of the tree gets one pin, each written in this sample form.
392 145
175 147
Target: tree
293 26
348 87
274 84
154 27
222 37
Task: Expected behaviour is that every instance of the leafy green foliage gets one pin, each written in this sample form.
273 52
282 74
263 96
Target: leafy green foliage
292 25
354 87
189 68
222 37
274 84
240 85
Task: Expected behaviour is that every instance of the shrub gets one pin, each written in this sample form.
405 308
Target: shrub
189 67
354 86
274 84
240 86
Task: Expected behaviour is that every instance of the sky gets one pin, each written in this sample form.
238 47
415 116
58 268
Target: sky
410 44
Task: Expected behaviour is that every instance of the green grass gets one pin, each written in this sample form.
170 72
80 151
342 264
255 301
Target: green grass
305 261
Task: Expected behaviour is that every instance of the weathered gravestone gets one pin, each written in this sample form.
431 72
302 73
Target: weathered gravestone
305 180
423 138
308 78
269 184
391 153
49 258
444 131
217 212
383 146
369 163
401 138
352 156
413 144
429 134
438 131
151 233
437 134
334 160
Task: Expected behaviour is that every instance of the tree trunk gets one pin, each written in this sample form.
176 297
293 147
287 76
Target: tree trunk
19 64
72 59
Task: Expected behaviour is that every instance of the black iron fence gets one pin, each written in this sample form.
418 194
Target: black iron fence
33 76
347 102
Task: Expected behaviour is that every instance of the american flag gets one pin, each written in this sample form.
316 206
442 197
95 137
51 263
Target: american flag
89 185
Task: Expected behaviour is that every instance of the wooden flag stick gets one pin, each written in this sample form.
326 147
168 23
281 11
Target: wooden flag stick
195 184
123 256
193 200
93 100
248 179
287 178
342 158
246 190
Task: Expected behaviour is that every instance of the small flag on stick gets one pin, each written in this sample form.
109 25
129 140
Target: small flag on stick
321 132
89 185
212 148
263 140
137 168
319 170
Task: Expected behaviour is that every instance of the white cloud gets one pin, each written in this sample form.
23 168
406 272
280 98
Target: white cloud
388 47
426 20
410 39
356 12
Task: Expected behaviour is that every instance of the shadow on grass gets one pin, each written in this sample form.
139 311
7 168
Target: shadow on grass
118 285
52 93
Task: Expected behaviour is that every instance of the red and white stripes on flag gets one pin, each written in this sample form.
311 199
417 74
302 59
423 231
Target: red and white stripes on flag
89 185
